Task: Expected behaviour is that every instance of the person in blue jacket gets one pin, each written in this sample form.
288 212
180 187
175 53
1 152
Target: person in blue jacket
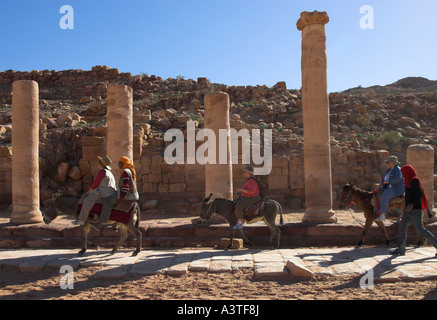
392 186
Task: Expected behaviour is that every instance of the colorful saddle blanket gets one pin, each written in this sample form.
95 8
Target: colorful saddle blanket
395 209
254 211
117 216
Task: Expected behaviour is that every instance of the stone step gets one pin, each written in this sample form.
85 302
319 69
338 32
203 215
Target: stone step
188 235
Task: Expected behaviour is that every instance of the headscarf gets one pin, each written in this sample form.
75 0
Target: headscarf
409 174
127 164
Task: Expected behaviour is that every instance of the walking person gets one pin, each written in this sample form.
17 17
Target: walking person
415 203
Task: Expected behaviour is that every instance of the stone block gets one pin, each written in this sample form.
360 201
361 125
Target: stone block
62 174
278 182
171 231
5 151
92 152
297 269
85 167
149 187
177 187
93 141
236 243
155 178
176 177
6 164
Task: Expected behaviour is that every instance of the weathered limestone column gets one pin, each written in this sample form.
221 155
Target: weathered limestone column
315 100
25 153
119 141
218 177
421 157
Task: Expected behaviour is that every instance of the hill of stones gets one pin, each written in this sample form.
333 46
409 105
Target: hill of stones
367 124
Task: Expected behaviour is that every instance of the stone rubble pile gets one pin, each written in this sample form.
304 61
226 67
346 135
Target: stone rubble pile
366 127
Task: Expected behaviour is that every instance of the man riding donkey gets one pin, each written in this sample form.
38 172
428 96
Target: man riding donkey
127 192
102 190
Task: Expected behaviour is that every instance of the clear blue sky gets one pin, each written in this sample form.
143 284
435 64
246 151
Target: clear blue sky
235 42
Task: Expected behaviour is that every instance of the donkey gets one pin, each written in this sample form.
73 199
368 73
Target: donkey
225 208
68 205
365 201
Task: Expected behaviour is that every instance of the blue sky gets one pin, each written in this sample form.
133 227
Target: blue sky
235 42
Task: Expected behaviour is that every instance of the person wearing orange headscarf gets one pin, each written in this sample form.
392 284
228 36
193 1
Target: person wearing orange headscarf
127 192
415 203
128 180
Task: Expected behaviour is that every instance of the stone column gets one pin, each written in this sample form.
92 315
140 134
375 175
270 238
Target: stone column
119 141
421 157
315 100
218 177
25 153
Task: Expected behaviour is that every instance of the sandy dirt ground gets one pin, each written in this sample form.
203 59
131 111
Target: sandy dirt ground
238 285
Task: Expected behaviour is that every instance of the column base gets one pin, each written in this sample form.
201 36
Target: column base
320 216
26 217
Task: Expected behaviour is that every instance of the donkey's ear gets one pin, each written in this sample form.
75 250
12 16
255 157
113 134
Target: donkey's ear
209 198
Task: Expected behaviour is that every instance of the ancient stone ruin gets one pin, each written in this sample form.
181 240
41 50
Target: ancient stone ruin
321 141
315 100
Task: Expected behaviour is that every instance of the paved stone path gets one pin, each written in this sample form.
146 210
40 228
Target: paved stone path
417 264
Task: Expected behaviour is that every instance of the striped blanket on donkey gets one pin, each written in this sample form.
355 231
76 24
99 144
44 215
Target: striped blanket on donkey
251 212
395 209
117 216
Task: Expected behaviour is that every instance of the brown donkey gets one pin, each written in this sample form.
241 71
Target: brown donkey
365 201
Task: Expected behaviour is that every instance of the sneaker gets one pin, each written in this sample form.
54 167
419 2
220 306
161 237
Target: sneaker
381 217
238 226
397 252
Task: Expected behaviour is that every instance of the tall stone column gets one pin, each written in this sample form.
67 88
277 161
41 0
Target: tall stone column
315 100
25 153
421 157
119 141
218 177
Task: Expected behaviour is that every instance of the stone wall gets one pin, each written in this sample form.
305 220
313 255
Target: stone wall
73 107
5 174
157 180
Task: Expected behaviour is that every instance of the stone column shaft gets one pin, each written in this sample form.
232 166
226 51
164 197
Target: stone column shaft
25 153
119 141
315 101
218 177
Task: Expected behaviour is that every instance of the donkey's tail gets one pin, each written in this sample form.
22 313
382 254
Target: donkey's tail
281 221
138 211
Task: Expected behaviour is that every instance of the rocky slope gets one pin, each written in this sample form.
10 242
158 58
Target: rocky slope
363 120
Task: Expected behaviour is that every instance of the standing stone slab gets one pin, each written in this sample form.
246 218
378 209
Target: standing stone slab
218 176
120 124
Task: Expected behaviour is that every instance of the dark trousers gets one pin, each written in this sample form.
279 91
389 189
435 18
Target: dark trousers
414 217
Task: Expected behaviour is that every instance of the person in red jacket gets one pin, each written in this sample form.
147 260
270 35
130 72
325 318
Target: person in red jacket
249 195
415 203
